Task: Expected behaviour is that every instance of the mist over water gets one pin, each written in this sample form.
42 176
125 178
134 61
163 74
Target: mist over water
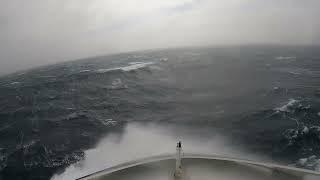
145 140
70 29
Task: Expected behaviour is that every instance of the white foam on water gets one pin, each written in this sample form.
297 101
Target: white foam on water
164 59
133 63
285 58
13 83
116 82
136 66
286 107
109 122
140 141
107 70
311 162
130 67
295 71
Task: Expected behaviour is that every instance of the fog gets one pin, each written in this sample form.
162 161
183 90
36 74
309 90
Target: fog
39 32
145 140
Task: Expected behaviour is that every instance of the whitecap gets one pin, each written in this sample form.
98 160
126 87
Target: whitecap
133 63
136 66
285 58
109 122
311 162
295 71
118 84
85 70
163 59
14 83
155 68
130 67
107 70
286 107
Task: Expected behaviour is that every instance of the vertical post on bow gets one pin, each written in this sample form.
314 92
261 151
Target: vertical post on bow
178 170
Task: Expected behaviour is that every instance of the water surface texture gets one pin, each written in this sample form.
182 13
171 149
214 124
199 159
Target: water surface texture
258 102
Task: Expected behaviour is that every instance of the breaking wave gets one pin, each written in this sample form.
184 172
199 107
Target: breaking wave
132 66
288 106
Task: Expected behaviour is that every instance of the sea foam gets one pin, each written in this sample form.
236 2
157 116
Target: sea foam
132 66
286 107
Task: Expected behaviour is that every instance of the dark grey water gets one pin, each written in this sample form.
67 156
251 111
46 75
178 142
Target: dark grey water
261 99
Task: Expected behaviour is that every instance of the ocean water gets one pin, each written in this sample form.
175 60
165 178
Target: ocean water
255 102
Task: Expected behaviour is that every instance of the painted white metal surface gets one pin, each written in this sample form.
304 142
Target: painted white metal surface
285 169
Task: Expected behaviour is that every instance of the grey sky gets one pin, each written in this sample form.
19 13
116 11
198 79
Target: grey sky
38 32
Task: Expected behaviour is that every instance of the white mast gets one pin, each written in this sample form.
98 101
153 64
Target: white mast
178 170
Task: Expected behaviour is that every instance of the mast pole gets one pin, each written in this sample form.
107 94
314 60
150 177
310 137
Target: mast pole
178 170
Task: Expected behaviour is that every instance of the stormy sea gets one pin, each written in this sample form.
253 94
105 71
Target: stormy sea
66 120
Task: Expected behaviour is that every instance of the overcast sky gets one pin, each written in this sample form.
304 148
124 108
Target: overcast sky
38 32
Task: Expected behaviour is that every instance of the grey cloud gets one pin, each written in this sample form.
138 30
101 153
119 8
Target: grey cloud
38 32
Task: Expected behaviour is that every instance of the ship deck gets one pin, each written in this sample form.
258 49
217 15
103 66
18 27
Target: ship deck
201 167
